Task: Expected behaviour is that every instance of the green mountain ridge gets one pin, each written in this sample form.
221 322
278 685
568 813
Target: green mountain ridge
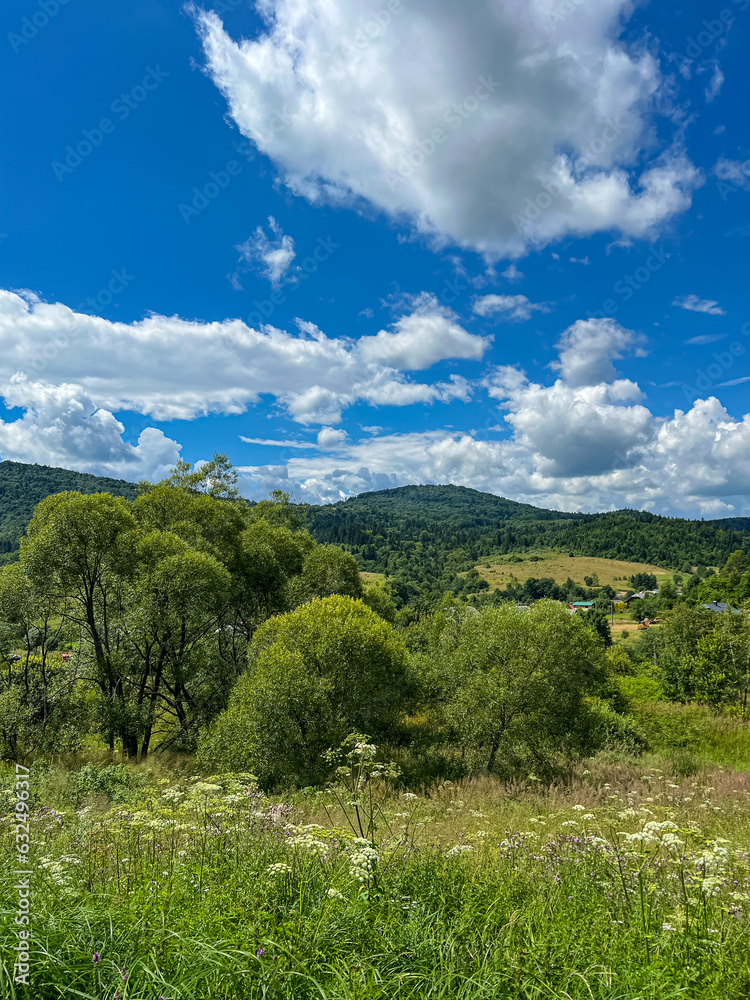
23 486
424 536
428 534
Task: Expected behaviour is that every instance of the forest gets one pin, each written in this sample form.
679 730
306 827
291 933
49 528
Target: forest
22 486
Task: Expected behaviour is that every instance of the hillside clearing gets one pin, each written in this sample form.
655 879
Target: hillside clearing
561 566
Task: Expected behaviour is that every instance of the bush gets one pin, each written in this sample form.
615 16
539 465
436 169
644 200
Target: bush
330 667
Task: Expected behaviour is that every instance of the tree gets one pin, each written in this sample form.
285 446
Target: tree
328 668
81 549
328 570
216 478
173 603
520 679
677 642
379 597
737 564
598 620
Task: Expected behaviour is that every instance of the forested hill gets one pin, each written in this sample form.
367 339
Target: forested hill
23 486
428 534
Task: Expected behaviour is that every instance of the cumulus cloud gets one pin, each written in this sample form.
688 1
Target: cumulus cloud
588 348
512 273
586 442
512 307
494 126
428 334
695 304
271 256
593 452
63 426
171 368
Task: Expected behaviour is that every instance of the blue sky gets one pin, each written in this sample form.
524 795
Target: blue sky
357 246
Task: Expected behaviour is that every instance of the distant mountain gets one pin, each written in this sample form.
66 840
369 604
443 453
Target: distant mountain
426 535
23 486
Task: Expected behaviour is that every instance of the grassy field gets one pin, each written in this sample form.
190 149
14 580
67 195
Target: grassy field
500 572
629 882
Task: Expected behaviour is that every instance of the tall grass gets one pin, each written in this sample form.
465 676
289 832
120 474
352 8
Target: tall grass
148 885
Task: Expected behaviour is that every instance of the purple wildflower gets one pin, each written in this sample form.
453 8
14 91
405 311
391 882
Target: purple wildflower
96 958
261 952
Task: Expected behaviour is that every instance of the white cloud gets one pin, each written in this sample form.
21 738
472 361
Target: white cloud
169 368
590 453
705 339
330 437
695 304
271 256
577 444
512 273
714 86
734 171
588 348
425 336
62 426
513 307
488 125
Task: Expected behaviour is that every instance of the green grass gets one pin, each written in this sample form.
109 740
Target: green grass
481 890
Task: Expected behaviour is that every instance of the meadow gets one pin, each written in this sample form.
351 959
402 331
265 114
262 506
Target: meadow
500 571
627 880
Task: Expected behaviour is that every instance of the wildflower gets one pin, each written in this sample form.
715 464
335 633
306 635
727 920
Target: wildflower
334 894
459 849
278 869
96 958
261 952
667 927
578 808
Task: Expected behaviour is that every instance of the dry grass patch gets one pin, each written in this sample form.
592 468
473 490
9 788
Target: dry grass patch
560 566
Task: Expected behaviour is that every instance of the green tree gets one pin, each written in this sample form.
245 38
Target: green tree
328 570
599 621
81 549
216 478
379 597
330 667
520 682
172 604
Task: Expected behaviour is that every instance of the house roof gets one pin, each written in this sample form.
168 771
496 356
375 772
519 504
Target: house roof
719 607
